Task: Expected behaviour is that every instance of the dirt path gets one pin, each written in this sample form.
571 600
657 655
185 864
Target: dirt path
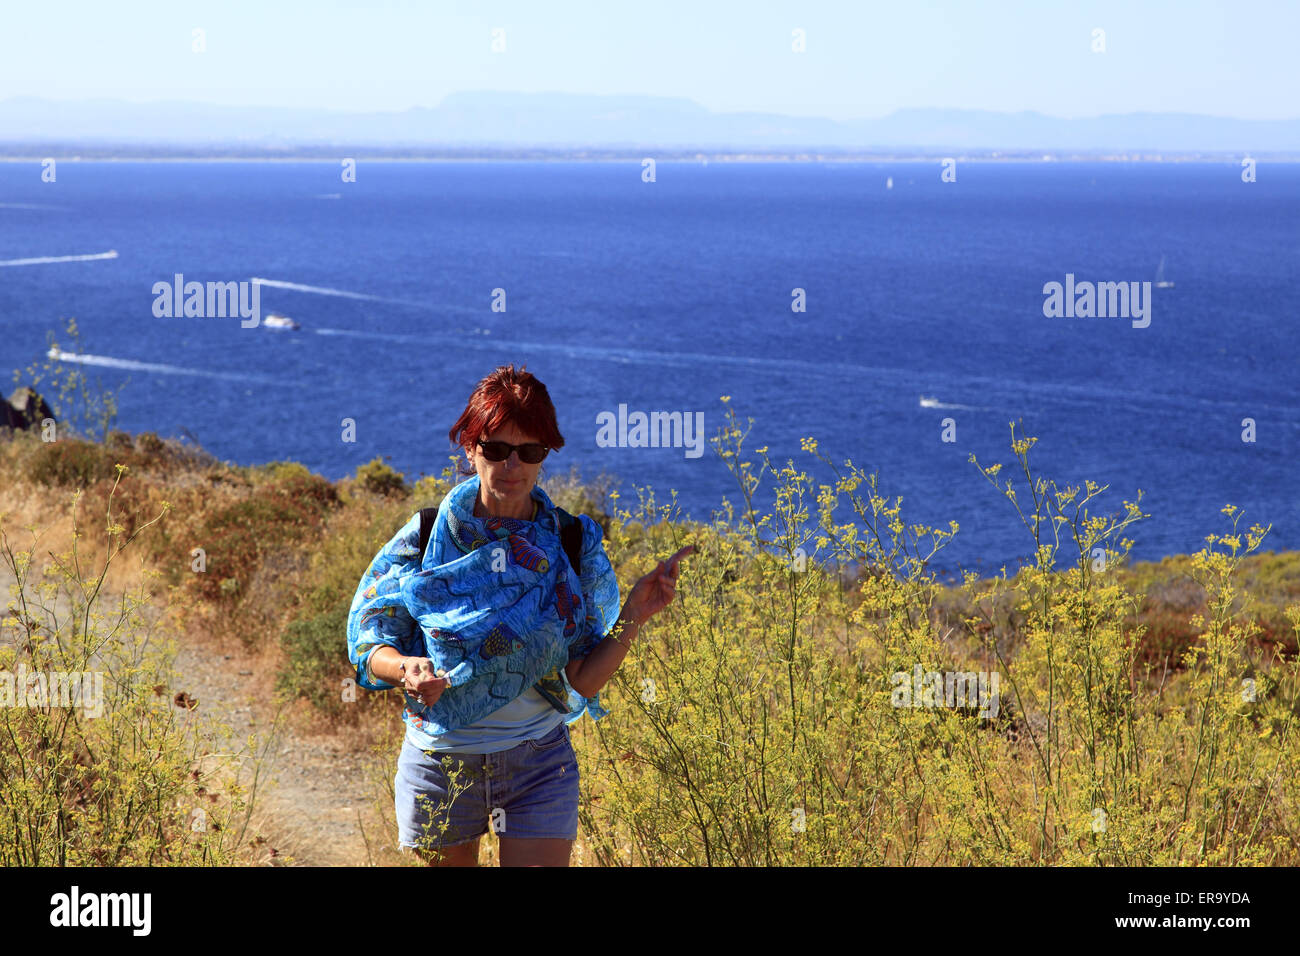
311 790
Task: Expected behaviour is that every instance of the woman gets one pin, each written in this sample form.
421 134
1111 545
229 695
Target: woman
496 641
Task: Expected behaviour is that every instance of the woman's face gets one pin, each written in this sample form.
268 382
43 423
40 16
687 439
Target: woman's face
505 487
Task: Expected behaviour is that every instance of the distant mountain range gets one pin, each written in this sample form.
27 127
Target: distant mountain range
579 121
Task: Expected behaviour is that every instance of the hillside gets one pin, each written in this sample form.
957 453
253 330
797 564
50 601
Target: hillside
1164 694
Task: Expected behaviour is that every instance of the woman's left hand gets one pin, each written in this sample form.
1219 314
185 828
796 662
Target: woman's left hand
655 591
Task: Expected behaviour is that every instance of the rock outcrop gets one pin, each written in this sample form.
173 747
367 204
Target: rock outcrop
24 409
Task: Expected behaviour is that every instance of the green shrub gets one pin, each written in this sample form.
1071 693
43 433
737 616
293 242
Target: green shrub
428 491
276 471
315 637
150 444
592 497
313 668
286 512
118 440
378 477
70 462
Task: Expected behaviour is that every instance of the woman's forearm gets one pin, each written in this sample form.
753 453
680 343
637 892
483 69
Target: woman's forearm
385 664
588 675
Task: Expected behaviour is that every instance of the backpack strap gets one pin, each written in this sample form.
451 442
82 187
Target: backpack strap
427 517
570 535
571 538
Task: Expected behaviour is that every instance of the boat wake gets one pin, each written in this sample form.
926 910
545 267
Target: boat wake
625 356
107 361
338 293
46 260
895 384
935 403
29 205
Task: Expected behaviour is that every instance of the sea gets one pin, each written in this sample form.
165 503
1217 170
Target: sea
898 312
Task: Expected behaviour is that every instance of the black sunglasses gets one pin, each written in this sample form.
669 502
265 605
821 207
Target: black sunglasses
530 454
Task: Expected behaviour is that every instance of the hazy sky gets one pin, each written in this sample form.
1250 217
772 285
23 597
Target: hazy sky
863 59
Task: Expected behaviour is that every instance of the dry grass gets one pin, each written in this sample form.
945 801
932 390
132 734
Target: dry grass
773 686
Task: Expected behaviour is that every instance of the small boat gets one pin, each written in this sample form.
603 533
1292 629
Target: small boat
929 401
276 321
1161 281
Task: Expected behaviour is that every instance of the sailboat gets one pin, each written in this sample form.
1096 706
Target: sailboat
1161 281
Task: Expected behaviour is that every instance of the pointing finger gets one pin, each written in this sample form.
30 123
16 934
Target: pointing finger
683 552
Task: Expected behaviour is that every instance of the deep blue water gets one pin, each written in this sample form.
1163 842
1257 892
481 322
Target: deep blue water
665 296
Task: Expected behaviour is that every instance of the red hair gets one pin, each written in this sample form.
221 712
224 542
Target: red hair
507 395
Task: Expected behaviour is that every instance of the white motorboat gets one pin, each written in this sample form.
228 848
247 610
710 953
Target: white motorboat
276 321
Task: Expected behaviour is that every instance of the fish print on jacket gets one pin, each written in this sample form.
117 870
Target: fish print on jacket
499 642
385 611
523 552
494 630
527 555
565 603
466 537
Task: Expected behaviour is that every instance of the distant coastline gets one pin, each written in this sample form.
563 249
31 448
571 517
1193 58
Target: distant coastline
478 126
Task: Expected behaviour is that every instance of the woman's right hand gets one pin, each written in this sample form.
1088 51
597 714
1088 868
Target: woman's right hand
421 681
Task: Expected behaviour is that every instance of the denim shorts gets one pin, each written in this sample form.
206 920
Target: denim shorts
529 791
